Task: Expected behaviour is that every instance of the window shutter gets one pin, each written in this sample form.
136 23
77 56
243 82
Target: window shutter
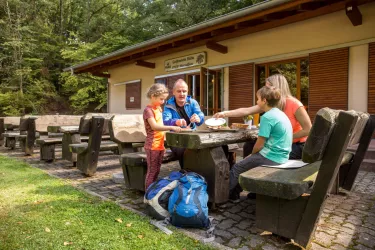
328 80
133 95
371 79
240 88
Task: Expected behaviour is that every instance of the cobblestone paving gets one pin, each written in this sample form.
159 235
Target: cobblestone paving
347 222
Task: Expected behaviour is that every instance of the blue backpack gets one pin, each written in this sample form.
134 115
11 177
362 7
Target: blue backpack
157 195
188 202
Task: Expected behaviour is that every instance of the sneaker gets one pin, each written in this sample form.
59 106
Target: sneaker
234 197
252 196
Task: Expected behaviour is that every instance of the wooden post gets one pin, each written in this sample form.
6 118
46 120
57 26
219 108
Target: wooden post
70 138
47 152
31 136
2 130
212 164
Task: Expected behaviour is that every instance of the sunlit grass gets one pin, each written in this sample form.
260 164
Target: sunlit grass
40 212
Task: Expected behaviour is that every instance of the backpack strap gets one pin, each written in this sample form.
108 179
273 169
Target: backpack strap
180 195
210 236
162 226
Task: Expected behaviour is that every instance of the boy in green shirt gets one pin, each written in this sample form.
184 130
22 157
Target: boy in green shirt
274 140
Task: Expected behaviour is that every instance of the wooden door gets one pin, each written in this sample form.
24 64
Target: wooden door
211 91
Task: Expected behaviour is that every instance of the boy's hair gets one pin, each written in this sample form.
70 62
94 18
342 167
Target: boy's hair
271 94
156 90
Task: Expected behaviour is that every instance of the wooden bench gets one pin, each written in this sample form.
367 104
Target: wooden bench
56 136
8 123
134 167
11 134
39 124
87 154
289 201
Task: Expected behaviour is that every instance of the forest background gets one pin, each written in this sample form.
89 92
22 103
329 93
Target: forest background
39 38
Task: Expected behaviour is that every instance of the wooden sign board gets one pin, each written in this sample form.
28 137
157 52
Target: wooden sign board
186 61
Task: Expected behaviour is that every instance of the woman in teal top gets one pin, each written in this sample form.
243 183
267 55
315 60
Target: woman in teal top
274 141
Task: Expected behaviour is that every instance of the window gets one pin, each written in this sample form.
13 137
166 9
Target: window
296 71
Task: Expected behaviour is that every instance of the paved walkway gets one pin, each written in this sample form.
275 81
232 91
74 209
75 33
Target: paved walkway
348 220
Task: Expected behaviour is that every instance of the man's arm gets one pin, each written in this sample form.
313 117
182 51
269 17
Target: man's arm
197 111
167 117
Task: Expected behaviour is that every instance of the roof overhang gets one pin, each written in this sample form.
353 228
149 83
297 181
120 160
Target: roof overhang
259 17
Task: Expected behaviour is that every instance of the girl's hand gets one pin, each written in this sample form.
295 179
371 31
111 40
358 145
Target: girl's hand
176 129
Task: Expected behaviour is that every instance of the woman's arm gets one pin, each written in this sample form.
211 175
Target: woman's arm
158 127
238 112
303 119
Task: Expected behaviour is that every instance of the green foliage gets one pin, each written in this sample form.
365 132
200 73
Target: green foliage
10 103
84 91
39 38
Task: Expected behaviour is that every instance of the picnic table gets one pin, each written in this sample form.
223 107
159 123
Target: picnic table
204 155
70 136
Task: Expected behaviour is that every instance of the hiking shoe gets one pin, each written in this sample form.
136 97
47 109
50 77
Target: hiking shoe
252 196
234 197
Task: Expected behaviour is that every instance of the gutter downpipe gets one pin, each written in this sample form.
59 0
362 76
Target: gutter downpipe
237 14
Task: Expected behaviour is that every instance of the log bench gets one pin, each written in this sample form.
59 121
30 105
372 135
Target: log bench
61 135
10 135
34 125
134 167
86 154
8 123
289 201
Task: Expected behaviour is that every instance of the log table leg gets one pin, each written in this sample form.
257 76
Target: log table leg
212 164
47 152
10 142
125 148
2 130
22 142
69 138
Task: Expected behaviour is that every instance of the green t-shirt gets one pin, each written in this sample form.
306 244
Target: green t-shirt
277 129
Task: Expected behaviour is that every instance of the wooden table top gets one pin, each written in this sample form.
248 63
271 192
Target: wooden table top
207 138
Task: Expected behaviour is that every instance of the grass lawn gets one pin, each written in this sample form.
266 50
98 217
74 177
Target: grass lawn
41 212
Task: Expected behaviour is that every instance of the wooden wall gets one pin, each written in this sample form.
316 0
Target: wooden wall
328 80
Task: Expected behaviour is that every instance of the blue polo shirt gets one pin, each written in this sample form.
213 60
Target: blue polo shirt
277 129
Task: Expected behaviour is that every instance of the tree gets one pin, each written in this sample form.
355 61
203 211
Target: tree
40 38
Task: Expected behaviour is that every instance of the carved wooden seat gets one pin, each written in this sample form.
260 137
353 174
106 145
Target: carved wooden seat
128 131
289 201
94 126
134 167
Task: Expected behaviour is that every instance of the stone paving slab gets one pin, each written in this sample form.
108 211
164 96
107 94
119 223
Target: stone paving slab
347 222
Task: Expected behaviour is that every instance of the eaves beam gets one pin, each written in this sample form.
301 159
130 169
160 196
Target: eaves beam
217 47
353 13
145 64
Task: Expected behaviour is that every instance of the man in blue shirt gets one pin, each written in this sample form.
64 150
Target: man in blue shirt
182 110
